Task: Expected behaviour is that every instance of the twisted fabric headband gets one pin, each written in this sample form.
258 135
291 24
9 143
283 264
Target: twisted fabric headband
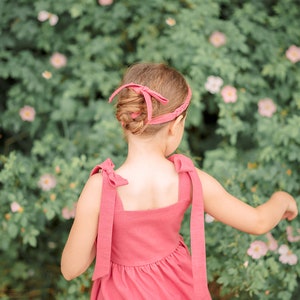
147 94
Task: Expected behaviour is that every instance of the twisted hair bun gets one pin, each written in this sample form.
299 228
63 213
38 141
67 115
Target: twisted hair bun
131 108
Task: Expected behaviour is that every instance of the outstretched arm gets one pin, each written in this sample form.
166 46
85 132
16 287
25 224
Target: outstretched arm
234 212
79 251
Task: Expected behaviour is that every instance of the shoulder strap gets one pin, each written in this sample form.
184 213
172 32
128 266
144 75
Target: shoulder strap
111 181
184 164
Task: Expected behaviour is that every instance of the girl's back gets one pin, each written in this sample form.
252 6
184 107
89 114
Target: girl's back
151 185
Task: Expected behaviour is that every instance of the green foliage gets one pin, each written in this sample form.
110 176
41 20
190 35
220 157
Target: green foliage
74 129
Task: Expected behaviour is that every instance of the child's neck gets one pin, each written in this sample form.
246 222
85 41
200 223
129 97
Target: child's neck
146 149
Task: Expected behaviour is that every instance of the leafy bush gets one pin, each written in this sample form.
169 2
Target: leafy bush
59 63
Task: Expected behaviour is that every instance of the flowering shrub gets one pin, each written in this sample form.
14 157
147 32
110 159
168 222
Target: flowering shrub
60 60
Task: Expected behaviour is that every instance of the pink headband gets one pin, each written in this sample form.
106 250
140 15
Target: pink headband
148 93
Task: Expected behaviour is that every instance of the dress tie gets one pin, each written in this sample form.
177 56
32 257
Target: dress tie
184 164
111 181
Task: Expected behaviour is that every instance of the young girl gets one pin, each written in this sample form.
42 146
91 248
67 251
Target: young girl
129 219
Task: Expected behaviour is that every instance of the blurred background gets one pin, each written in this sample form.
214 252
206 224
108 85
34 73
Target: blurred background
60 61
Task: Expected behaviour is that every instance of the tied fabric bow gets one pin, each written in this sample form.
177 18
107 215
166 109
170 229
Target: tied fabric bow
147 94
111 181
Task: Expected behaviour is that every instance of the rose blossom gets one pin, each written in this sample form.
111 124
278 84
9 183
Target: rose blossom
229 94
15 207
213 84
290 237
47 182
272 243
293 53
287 256
53 19
105 2
257 249
43 16
217 39
266 107
69 213
58 60
27 113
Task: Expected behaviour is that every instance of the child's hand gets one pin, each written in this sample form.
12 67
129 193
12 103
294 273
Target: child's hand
292 209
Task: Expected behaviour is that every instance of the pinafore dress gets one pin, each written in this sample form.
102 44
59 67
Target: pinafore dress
140 254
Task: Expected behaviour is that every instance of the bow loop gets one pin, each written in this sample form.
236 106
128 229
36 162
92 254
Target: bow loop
114 179
147 94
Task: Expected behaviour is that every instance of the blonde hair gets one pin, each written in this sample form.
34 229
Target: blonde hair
131 109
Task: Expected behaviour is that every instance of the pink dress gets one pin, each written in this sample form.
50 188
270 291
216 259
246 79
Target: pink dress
140 254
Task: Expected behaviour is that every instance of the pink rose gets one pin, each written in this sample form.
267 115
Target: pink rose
293 53
105 2
53 19
27 113
47 182
58 60
15 207
266 107
287 256
217 39
229 94
43 16
257 249
290 236
213 84
69 213
272 243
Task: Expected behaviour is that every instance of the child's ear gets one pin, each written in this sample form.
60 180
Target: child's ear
175 125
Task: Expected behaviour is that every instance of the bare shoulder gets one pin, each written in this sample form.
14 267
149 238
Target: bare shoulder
90 197
95 181
206 179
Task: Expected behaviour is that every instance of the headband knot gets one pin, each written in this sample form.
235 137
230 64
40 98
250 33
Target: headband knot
147 94
141 90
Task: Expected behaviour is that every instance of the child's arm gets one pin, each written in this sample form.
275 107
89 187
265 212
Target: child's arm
79 251
232 211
